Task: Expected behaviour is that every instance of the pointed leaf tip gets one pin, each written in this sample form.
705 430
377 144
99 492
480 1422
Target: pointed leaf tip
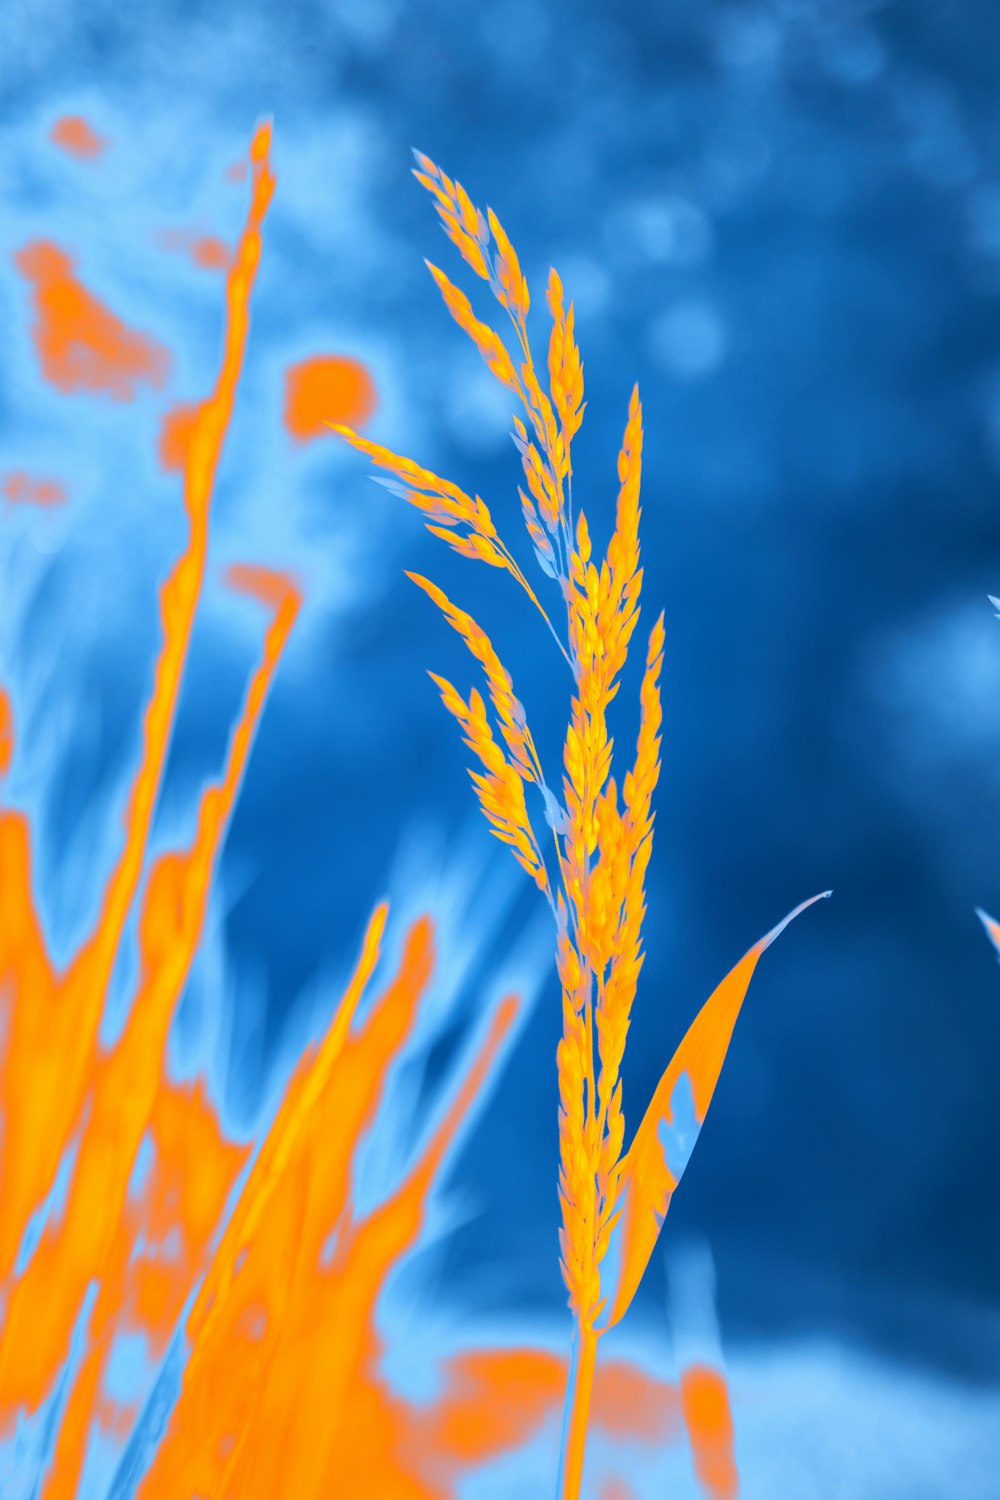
768 938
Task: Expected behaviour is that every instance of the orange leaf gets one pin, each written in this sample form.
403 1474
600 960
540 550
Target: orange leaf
655 1162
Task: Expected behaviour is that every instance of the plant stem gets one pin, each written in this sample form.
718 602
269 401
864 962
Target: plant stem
578 1390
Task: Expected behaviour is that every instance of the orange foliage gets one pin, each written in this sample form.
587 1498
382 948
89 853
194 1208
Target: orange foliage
65 1098
156 1219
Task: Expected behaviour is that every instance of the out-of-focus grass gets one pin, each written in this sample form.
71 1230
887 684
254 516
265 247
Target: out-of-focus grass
183 1310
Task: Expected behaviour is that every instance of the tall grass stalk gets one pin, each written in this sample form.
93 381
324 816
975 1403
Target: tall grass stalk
591 861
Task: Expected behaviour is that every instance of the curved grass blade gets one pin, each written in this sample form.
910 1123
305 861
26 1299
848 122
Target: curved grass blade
664 1141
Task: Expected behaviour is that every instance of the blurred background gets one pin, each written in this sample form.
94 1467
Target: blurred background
783 220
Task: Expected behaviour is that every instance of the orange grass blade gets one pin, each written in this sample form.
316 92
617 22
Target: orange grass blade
267 1284
300 1104
182 590
368 1253
51 1064
54 1020
41 1098
294 1311
653 1166
141 1286
96 1226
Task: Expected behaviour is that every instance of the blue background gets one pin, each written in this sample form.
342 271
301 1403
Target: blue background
783 220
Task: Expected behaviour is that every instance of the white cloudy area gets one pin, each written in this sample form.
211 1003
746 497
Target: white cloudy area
275 501
824 1420
78 616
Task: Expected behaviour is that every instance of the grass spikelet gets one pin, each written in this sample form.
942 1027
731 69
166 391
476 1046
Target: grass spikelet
501 790
463 224
513 724
447 509
612 1204
490 345
565 365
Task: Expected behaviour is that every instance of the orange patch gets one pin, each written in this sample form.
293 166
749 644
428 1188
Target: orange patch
6 733
496 1398
628 1403
709 1419
175 437
327 388
76 136
207 251
270 587
80 343
210 252
21 489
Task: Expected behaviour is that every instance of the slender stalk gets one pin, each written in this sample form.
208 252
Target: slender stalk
579 1386
518 574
